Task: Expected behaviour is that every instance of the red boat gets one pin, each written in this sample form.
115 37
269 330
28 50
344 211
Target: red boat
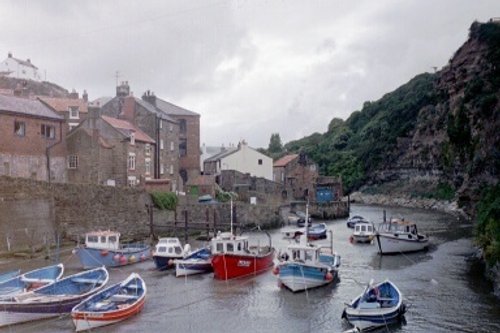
232 257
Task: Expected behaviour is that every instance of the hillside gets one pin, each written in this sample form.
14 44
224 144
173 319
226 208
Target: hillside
435 136
30 87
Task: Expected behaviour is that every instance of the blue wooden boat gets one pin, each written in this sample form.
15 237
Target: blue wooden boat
103 248
196 262
53 299
317 231
110 305
379 305
9 275
31 280
305 266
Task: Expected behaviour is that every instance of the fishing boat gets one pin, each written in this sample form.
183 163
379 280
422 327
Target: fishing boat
167 250
111 305
196 262
399 236
9 275
31 280
103 248
233 257
317 231
53 299
364 232
379 305
305 266
355 219
301 221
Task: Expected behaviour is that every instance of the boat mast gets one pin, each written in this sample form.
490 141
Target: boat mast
231 215
306 222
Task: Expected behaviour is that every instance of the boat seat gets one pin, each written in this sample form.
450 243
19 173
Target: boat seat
30 280
386 299
86 280
369 305
133 286
120 297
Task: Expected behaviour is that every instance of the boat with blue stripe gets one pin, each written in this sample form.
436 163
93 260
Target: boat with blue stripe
9 275
197 262
379 305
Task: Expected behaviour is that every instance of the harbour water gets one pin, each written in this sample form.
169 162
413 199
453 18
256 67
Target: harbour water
444 290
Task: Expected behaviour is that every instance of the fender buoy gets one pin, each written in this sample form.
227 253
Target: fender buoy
351 239
170 262
104 253
123 260
74 251
116 257
276 270
143 257
132 258
328 276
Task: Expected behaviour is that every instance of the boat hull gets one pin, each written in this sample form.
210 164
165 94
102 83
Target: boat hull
372 319
163 263
93 258
185 267
84 321
362 238
230 266
391 244
299 277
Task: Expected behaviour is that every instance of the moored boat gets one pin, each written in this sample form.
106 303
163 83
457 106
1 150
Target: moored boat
399 236
111 305
305 266
31 280
364 232
166 251
379 305
103 248
317 231
233 257
355 219
53 299
196 262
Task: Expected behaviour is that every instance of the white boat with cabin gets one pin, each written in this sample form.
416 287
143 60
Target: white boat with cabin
399 236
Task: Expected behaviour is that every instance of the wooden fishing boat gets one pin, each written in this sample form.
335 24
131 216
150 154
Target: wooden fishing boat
379 305
196 262
167 250
111 305
31 280
103 248
9 275
233 257
53 299
305 266
399 236
364 232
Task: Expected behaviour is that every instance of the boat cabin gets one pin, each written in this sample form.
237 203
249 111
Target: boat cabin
226 243
363 227
304 253
103 240
399 226
170 246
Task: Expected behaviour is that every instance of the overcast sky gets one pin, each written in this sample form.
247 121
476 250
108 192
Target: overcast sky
250 68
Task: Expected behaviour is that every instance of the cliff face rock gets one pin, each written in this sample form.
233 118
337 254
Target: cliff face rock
31 88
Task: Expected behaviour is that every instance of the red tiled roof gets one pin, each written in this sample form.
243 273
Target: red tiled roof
63 104
285 160
121 124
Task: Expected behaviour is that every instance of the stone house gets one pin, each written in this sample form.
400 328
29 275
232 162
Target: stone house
201 185
189 135
157 125
73 109
21 69
241 158
106 150
33 140
298 174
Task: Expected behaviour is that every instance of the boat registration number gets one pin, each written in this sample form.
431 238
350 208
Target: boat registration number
243 263
93 315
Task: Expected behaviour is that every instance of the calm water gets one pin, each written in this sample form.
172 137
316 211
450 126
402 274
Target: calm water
445 293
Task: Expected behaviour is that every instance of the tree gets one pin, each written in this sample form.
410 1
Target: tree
275 145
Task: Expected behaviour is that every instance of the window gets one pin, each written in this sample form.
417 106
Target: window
162 169
260 161
171 146
230 247
72 161
161 143
19 128
103 239
131 180
171 169
219 247
147 149
182 147
182 126
147 163
132 138
92 239
171 126
131 161
161 124
74 112
48 131
112 239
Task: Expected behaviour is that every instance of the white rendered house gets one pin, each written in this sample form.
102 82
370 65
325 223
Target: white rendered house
21 69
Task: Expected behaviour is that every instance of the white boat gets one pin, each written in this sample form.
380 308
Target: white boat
196 262
355 219
167 250
304 266
399 236
291 233
364 232
379 305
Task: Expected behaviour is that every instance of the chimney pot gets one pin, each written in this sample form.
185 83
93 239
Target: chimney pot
28 60
9 54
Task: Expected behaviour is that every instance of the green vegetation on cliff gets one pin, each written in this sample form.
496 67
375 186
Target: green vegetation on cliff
165 200
360 145
488 224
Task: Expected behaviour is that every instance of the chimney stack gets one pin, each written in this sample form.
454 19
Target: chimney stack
149 97
9 54
85 96
73 94
123 89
